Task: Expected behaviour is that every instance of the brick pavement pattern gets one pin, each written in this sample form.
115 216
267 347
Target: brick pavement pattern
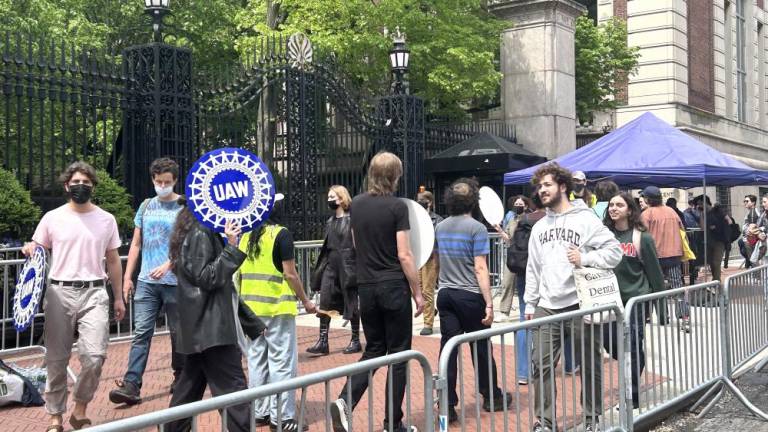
159 376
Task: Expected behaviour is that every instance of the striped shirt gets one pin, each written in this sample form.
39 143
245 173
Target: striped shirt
459 240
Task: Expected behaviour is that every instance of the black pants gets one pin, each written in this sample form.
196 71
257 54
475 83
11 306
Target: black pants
637 340
221 369
385 309
461 312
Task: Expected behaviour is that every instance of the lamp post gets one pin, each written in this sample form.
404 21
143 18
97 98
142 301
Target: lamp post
160 117
157 10
405 114
399 58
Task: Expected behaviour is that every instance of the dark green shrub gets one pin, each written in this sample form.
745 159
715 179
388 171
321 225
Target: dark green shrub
18 214
112 197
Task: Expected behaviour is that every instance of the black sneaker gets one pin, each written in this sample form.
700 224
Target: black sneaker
538 427
289 425
262 421
126 393
498 403
592 428
339 413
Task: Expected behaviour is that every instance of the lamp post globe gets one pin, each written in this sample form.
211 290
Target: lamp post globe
157 10
399 58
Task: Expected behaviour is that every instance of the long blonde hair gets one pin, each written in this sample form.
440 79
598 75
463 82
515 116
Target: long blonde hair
343 195
384 173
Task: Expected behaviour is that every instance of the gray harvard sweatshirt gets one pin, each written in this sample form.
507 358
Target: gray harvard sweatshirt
549 276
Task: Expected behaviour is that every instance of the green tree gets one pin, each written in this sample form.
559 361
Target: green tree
19 213
113 198
603 63
454 43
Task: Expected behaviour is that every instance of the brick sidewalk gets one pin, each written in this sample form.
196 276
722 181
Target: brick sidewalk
159 376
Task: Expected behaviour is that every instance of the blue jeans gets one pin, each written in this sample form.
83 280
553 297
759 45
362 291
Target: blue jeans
147 304
521 337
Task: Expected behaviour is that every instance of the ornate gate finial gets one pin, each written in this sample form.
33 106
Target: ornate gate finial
300 51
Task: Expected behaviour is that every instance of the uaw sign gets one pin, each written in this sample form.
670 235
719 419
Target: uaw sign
230 184
29 290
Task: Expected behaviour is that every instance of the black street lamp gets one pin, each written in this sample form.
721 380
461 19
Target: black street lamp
399 58
157 10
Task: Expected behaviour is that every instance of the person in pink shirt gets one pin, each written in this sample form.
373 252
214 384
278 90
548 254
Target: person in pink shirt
79 237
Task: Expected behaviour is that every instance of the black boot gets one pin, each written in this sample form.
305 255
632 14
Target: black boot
321 347
354 344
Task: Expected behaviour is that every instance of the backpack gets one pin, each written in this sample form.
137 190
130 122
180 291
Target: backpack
16 388
517 253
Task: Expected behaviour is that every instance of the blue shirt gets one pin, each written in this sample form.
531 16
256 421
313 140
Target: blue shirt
459 240
156 218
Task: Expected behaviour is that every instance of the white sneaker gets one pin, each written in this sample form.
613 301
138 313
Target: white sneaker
339 414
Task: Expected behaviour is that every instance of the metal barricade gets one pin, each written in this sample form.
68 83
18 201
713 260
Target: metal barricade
673 343
551 393
303 383
747 316
496 260
306 254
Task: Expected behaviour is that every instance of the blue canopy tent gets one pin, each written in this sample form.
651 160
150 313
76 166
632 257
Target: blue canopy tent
648 151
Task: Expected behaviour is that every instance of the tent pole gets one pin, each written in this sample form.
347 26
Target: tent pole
706 226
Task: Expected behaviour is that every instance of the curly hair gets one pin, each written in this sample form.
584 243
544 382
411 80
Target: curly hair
81 167
462 197
162 166
561 176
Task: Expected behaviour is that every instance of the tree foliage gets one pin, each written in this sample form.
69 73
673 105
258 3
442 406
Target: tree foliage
113 198
603 62
19 213
454 43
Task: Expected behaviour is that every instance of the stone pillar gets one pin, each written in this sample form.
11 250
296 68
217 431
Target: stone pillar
537 62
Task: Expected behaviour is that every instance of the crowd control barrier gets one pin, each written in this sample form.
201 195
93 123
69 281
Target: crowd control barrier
515 408
303 383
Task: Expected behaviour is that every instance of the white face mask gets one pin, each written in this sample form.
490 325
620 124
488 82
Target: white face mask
163 192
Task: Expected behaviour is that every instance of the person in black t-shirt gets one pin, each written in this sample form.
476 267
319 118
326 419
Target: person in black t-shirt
387 279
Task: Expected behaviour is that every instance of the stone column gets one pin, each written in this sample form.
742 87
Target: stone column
537 62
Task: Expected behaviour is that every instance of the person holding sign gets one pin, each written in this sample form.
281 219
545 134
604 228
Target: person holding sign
464 300
387 278
638 273
270 286
80 236
207 332
156 282
566 238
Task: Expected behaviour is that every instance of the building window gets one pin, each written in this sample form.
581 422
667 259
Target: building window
741 61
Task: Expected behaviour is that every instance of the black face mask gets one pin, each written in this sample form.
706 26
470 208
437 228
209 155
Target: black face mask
518 209
578 188
333 205
80 193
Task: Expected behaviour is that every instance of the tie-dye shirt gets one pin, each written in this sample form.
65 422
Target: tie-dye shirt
156 218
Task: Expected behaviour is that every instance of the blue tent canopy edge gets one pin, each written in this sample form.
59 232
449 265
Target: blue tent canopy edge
648 151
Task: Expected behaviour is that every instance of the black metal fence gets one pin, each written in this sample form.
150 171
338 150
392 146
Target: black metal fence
290 105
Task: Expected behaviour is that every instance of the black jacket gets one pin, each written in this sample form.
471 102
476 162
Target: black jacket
206 294
346 268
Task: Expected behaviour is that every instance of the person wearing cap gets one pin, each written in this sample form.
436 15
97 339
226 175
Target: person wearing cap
664 226
270 285
580 194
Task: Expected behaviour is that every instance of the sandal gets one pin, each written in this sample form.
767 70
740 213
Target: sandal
55 428
79 423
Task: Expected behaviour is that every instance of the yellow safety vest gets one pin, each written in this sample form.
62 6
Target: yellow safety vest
262 285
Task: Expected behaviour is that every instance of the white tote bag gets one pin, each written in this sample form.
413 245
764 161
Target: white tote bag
597 287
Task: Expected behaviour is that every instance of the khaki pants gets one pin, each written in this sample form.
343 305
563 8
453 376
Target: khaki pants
508 288
428 278
547 345
68 309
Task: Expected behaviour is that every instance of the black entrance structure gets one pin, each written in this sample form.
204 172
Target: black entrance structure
484 156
